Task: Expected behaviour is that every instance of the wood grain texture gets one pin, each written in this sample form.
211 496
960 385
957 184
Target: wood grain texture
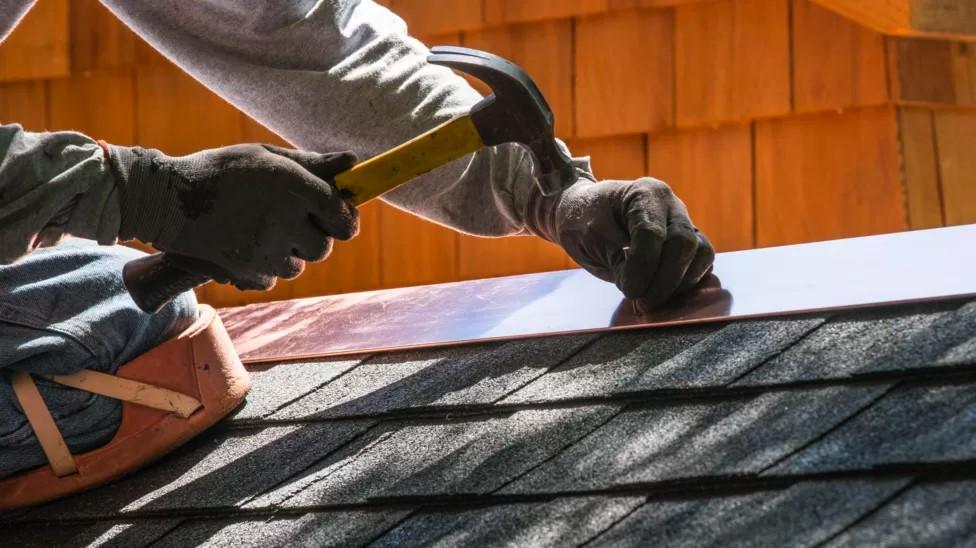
954 18
425 17
920 170
24 103
932 72
625 4
826 176
933 18
836 63
515 11
956 135
38 47
711 171
179 116
963 58
623 157
624 73
448 39
147 55
545 51
732 61
921 71
108 97
415 251
886 16
98 39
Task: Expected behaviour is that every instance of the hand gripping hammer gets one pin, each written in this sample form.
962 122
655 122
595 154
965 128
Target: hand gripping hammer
515 112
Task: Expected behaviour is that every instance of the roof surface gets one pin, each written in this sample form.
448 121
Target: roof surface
845 429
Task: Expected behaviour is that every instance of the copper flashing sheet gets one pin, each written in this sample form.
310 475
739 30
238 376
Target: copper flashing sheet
858 272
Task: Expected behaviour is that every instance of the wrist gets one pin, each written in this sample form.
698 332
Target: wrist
148 191
541 216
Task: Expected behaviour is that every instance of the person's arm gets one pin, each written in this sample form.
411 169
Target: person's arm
341 75
52 184
211 208
344 74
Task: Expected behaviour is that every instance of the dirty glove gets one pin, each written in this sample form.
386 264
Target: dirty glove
247 213
635 234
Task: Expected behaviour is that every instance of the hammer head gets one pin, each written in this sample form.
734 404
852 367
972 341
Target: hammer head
515 112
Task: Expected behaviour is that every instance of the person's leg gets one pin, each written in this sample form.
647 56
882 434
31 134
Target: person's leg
63 309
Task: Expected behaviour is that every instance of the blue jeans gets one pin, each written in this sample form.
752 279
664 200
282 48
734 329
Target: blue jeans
63 309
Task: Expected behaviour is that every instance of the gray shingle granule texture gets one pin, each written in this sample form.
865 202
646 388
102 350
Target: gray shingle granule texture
279 387
847 429
932 514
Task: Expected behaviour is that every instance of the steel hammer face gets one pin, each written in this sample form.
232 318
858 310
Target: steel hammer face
516 112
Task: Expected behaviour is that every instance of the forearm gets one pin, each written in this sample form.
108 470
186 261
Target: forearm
53 184
343 75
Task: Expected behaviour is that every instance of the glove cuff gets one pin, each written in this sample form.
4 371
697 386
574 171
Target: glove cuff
540 214
148 194
540 210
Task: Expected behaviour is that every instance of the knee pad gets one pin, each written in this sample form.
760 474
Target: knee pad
169 395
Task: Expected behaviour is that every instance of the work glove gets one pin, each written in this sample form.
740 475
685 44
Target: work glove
243 214
635 234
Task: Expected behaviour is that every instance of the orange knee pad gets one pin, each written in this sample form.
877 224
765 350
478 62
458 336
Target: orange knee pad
169 395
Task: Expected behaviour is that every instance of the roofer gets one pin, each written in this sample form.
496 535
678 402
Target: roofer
327 76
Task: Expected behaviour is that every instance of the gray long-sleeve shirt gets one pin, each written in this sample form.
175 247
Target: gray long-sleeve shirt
326 75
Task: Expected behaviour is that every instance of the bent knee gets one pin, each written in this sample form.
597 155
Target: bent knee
75 291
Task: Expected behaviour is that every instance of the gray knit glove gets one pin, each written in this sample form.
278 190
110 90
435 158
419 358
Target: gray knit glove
635 234
243 214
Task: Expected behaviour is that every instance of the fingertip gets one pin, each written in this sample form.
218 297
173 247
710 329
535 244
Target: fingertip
632 280
258 282
642 261
291 268
345 160
347 226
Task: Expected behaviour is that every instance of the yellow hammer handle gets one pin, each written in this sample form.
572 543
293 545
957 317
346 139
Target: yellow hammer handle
448 141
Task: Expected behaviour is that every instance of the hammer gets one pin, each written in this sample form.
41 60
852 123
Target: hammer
515 112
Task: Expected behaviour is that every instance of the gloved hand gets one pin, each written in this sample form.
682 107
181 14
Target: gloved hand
243 214
595 222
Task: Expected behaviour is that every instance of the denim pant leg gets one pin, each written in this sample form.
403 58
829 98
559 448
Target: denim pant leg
63 309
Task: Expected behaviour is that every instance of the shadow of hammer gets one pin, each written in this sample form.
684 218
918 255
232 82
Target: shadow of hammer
515 112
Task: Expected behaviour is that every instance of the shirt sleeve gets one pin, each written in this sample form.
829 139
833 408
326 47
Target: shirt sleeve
341 75
53 184
11 12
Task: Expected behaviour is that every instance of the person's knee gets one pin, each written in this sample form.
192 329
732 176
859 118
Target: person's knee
64 309
74 291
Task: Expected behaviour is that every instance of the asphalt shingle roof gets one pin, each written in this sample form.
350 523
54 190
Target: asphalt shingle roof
841 429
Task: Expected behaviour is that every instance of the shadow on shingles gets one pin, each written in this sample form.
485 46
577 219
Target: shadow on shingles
748 444
111 500
462 370
876 341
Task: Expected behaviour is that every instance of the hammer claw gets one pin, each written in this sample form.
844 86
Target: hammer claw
516 112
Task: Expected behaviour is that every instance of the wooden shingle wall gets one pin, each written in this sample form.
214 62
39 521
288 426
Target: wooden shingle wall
777 121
